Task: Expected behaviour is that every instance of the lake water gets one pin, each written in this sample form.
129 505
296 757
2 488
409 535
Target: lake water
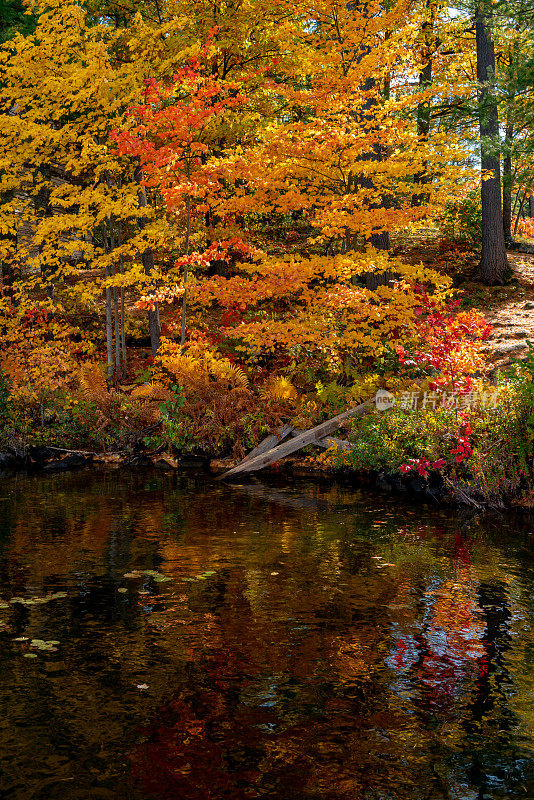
167 636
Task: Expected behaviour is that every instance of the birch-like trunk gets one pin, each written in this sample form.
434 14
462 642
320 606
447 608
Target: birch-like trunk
147 258
109 329
122 315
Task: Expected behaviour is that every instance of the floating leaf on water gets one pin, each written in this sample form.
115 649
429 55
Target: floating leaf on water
275 573
3 605
158 577
53 641
142 685
188 580
40 644
17 599
21 639
200 577
122 589
136 574
29 655
58 595
209 573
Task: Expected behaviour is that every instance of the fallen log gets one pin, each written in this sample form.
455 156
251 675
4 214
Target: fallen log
312 436
327 442
270 442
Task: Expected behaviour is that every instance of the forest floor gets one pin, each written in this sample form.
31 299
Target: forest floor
509 309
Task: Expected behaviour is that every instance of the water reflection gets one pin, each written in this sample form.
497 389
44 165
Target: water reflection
168 637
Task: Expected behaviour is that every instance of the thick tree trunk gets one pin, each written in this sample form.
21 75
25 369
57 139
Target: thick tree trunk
147 258
531 206
493 262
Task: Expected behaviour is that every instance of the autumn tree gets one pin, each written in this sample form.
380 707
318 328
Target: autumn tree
69 201
175 126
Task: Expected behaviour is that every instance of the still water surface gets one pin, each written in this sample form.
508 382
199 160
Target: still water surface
165 636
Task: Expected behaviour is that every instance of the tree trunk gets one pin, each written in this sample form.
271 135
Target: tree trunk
116 320
531 206
115 303
379 239
109 330
122 311
7 278
507 184
8 268
423 108
423 129
123 317
147 258
493 262
184 298
519 212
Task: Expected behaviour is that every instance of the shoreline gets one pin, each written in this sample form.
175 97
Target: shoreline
434 489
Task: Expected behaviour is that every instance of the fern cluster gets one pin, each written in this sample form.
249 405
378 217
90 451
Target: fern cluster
141 405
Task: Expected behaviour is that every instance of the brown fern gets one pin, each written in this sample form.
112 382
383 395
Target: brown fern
94 387
147 400
152 391
226 371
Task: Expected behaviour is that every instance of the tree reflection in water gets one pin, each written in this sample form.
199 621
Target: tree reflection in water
310 642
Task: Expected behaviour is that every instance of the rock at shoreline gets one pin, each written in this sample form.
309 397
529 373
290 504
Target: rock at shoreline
510 347
70 461
6 460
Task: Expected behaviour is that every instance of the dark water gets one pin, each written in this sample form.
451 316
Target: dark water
312 643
